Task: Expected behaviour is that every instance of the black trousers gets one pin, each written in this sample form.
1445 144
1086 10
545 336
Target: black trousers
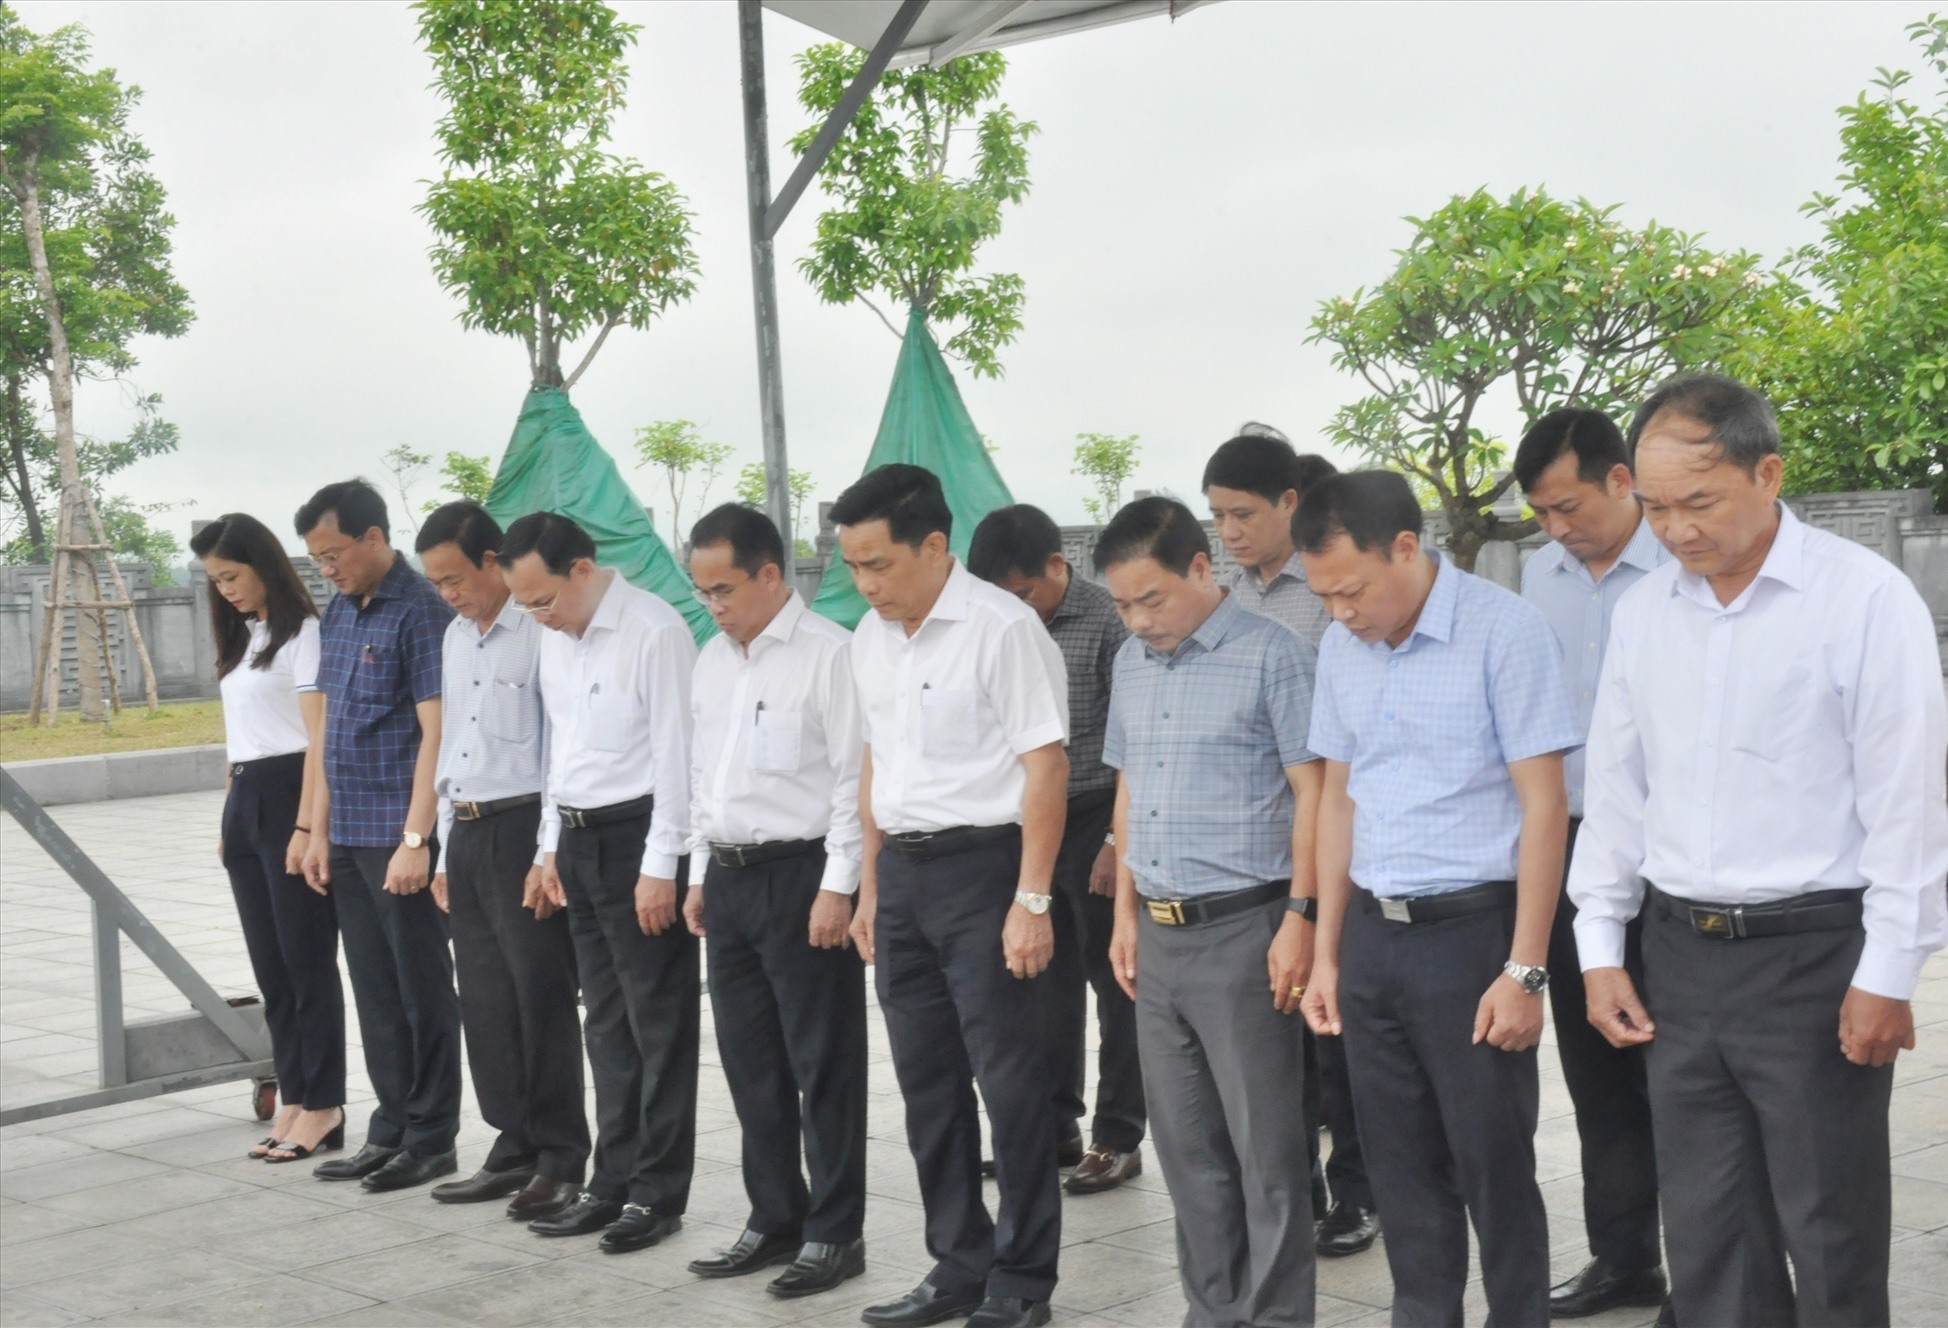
1083 923
1611 1095
1449 1126
402 982
791 1032
641 1019
1770 1143
1328 1105
954 1016
517 999
290 931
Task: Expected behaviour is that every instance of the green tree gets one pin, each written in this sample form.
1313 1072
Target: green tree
1527 304
35 477
906 228
750 492
542 233
404 467
1106 461
1851 340
465 479
677 449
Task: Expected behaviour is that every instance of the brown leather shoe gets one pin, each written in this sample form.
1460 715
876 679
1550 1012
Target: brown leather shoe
542 1198
1104 1169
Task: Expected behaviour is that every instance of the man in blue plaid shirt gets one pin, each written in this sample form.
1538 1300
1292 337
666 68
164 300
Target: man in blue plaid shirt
379 668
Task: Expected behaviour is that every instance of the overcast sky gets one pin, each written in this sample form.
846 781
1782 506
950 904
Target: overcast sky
1199 187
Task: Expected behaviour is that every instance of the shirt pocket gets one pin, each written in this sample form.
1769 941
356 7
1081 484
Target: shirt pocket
375 676
948 722
776 740
510 712
607 729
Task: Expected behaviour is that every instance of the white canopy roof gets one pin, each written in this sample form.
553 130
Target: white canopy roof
947 28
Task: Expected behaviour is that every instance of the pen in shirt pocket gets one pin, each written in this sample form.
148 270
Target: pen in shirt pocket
757 716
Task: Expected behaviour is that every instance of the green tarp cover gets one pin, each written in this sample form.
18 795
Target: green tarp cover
924 424
554 464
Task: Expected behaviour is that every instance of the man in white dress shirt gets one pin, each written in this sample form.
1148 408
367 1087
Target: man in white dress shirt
615 678
1766 786
774 781
962 796
1575 473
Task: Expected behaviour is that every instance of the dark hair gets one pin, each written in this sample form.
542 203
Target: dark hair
244 539
1370 507
1254 463
559 541
356 504
1739 419
1159 528
1309 469
753 537
465 524
1591 434
907 498
1013 541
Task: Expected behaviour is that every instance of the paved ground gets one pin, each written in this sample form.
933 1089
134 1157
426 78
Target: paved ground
148 1213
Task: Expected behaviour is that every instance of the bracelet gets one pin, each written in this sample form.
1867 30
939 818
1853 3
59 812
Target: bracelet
302 829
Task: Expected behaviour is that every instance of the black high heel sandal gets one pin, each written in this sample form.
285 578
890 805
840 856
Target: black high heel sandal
331 1143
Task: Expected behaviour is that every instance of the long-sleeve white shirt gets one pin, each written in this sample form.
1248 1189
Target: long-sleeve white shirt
776 749
1791 741
618 702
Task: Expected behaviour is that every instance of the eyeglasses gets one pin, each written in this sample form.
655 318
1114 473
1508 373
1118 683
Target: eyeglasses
331 558
541 607
718 594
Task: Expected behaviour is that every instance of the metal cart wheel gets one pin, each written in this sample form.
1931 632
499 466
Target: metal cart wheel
263 1098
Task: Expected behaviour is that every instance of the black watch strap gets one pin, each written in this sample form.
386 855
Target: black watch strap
1307 908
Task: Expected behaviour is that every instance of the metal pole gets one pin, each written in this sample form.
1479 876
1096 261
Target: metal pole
764 283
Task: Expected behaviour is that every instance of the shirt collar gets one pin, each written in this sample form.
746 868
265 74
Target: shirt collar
608 612
952 603
1248 576
1436 621
396 581
784 622
1070 605
1645 551
1210 633
1785 562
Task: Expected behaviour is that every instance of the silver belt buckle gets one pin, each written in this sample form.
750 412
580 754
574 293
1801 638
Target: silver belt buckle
572 818
1396 910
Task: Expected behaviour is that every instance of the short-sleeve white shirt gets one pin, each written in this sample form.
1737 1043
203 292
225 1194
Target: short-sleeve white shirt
260 706
950 710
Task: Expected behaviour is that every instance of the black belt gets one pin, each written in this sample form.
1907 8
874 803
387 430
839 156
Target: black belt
1190 912
1439 908
924 845
752 855
480 811
1821 910
578 818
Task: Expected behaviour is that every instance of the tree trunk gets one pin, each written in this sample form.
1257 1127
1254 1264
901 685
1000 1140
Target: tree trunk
83 587
23 480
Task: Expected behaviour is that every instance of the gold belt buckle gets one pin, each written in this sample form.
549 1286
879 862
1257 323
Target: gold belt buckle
466 811
1166 912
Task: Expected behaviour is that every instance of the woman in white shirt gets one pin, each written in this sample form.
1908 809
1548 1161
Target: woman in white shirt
266 629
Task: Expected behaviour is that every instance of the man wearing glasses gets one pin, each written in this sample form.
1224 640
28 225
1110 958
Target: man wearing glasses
615 683
379 668
775 810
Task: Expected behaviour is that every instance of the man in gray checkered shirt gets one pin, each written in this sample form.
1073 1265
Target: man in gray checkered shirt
1215 810
1020 550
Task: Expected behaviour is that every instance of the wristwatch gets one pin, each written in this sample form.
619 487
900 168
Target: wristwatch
1533 979
1035 901
413 839
1307 908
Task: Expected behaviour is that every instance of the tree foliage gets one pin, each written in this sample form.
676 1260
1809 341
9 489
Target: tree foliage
750 492
463 479
542 233
678 449
1107 462
33 476
1851 341
1526 303
906 227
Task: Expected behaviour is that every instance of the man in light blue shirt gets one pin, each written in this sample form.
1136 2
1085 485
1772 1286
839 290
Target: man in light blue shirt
1215 804
1574 469
1441 713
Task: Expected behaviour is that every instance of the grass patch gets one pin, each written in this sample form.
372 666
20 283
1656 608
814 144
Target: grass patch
176 724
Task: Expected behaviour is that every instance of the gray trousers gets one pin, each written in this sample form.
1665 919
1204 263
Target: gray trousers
1770 1143
1223 1074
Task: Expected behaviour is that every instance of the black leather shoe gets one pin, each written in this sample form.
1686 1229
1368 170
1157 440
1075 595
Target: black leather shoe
1067 1153
753 1250
483 1185
407 1169
542 1198
1009 1312
1603 1286
820 1266
356 1167
585 1215
921 1306
639 1228
1347 1230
